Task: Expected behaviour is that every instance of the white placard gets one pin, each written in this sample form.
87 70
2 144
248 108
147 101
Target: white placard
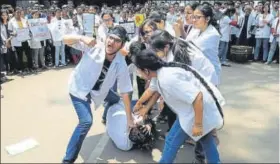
88 22
129 27
67 26
39 29
22 146
22 34
56 30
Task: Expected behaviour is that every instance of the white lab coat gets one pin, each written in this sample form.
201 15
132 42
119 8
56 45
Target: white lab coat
179 88
87 72
274 24
208 42
57 43
169 28
265 31
13 26
116 117
251 22
225 28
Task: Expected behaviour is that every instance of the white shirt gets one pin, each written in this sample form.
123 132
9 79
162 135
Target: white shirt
263 32
179 88
171 18
225 28
169 28
192 33
116 126
87 72
208 42
13 26
198 61
59 23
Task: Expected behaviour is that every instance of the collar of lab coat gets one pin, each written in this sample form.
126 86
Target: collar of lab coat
210 30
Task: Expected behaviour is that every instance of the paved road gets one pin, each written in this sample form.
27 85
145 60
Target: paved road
38 106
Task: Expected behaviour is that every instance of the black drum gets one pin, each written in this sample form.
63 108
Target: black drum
240 54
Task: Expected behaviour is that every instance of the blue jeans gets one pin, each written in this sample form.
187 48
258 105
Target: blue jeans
273 47
176 138
60 50
264 43
83 111
223 49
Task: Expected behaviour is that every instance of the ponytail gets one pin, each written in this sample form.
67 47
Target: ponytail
200 78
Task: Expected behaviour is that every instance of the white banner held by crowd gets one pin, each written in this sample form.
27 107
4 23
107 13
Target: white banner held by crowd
22 34
39 29
88 23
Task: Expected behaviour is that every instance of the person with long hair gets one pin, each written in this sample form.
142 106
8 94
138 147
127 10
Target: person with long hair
188 30
5 45
208 38
195 100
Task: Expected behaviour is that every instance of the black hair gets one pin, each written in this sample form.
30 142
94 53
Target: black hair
193 5
157 16
142 140
179 48
4 11
229 12
148 59
134 49
147 22
207 11
108 12
218 3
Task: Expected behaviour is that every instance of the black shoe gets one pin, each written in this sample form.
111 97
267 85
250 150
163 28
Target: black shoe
226 64
199 161
103 121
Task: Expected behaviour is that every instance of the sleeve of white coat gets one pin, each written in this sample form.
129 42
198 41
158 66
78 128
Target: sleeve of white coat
80 46
123 79
181 87
153 84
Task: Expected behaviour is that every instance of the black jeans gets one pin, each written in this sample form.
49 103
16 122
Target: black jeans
24 49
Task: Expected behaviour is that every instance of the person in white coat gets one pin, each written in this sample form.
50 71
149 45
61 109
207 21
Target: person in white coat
91 80
59 45
247 23
14 25
208 38
274 39
263 25
193 98
225 24
104 28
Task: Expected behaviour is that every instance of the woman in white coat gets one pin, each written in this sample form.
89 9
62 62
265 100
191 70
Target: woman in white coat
208 38
193 98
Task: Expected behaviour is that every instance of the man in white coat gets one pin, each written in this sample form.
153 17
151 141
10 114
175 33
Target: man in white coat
96 73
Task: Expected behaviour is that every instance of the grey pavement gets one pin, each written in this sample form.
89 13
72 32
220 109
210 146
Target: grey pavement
39 106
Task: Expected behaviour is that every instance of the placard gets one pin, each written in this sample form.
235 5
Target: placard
39 29
88 23
22 34
67 26
56 31
139 19
129 27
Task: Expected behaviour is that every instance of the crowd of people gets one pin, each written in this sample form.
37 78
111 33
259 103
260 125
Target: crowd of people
177 53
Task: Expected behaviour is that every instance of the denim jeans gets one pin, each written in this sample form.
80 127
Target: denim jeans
60 50
273 47
264 43
176 138
223 49
83 111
